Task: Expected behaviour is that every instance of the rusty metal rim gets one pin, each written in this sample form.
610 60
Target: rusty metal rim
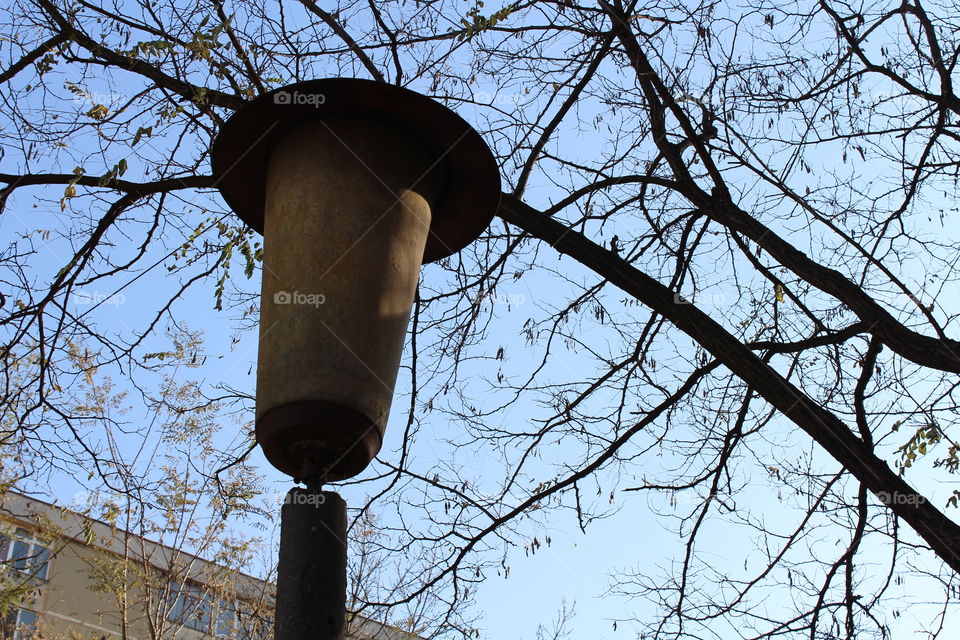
241 150
339 435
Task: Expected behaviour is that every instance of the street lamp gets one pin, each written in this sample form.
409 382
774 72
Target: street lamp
354 184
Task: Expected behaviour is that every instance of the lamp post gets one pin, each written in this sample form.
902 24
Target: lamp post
354 184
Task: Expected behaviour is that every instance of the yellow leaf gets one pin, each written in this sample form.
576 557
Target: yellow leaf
98 112
68 193
778 291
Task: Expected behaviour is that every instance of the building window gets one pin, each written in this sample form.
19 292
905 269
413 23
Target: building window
20 624
253 626
189 606
226 623
25 553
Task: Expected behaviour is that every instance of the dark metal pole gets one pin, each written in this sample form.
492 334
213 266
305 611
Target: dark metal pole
312 572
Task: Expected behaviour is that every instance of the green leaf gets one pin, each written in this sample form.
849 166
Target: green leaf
142 131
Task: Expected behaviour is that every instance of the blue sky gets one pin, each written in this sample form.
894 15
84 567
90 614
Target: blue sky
574 567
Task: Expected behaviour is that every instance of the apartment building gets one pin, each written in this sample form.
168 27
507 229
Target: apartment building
67 576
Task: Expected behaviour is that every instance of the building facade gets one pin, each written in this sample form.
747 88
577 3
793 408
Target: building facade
67 576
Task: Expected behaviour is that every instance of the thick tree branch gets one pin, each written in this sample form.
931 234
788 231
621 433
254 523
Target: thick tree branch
941 533
924 350
28 179
928 351
15 181
18 66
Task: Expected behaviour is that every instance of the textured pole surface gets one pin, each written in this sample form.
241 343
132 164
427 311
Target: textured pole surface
348 211
312 572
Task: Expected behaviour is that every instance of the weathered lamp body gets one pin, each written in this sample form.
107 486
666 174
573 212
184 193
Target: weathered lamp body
354 184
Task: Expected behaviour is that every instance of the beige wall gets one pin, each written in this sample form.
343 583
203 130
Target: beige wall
71 605
72 601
